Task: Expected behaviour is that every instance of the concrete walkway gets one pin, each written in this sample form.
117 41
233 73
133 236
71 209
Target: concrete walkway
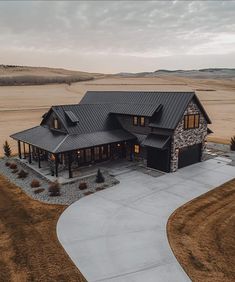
119 234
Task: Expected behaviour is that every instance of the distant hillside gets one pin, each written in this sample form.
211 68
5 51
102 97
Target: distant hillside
220 73
25 75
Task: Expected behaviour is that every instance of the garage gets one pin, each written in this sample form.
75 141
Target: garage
189 155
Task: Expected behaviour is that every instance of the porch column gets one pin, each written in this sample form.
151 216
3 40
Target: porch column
24 150
19 150
30 156
56 165
70 165
92 154
39 161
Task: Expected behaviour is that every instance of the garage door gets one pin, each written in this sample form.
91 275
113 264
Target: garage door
189 155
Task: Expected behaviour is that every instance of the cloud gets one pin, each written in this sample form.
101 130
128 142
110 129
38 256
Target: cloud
137 29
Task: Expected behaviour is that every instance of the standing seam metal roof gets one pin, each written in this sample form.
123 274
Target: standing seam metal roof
174 103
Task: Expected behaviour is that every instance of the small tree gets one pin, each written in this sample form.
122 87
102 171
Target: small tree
99 177
232 143
7 149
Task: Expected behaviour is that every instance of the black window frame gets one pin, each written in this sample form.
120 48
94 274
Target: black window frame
187 117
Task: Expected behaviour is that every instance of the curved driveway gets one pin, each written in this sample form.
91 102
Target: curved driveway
119 234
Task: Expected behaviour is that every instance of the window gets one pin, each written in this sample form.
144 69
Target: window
139 121
191 121
135 120
56 123
137 149
142 121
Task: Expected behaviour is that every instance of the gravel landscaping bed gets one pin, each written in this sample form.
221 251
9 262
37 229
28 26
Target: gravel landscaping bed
69 193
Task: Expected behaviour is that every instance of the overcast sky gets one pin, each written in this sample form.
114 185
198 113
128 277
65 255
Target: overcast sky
118 36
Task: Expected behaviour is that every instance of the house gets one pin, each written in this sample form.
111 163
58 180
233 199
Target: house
167 130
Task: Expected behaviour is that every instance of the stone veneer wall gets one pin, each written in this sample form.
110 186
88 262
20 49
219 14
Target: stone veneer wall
183 138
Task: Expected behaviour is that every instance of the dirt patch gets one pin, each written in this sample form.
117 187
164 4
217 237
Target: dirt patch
29 249
201 235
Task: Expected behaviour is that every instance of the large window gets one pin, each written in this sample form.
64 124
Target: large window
191 121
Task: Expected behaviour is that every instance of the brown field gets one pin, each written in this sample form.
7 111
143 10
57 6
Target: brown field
21 107
29 247
201 235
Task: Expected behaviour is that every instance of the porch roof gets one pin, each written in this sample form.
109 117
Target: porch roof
55 142
156 141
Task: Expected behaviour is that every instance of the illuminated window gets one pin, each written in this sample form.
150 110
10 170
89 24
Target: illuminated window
135 120
137 149
142 121
191 121
56 123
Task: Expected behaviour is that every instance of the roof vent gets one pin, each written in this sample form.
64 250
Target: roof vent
71 116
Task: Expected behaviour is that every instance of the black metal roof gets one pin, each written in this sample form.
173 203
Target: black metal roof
146 110
81 141
173 103
54 142
41 137
90 118
93 122
156 141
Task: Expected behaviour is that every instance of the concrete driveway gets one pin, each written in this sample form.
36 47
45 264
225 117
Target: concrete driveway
119 234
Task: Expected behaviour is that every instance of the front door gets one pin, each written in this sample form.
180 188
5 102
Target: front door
158 159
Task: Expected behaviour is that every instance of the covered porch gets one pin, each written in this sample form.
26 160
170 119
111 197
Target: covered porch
71 164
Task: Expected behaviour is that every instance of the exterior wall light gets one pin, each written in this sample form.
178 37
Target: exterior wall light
177 151
118 145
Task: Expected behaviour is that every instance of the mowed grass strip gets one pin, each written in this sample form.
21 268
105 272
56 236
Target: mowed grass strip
29 248
202 235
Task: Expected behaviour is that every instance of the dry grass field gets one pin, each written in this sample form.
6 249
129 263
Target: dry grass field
21 107
29 247
201 235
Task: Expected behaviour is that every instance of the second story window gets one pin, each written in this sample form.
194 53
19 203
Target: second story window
138 121
56 123
135 120
191 121
142 121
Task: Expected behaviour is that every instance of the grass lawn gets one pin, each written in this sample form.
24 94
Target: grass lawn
202 235
29 249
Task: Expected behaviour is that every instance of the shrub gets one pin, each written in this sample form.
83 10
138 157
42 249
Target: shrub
82 185
7 149
99 177
54 189
88 193
35 183
232 143
40 190
22 174
13 166
15 170
7 164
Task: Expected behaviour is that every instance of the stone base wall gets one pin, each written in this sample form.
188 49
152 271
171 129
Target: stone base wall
188 137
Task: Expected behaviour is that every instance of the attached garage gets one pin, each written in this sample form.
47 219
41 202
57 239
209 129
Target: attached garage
158 152
189 155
